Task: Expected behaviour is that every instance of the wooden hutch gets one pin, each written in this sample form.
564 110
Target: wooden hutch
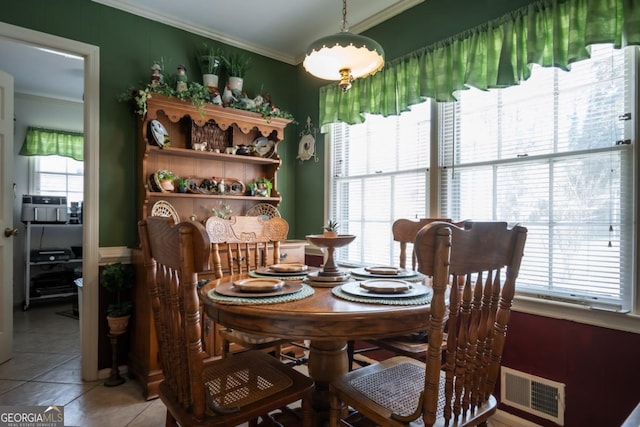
198 138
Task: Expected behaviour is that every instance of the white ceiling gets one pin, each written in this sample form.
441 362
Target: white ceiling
278 29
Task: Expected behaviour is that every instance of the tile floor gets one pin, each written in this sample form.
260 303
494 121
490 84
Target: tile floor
45 370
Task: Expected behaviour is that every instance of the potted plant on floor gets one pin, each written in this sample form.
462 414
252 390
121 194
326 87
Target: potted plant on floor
116 278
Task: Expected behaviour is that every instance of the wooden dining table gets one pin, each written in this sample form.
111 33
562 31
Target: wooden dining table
324 319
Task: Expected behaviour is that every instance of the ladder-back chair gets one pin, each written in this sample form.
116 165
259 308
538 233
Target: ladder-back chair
415 345
198 391
477 267
251 242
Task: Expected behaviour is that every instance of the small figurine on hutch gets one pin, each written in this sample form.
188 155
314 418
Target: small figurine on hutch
181 85
156 78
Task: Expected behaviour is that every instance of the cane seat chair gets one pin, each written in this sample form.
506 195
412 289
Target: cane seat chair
199 391
251 242
415 345
475 269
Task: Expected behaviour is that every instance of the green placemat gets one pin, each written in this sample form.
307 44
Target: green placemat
305 292
417 300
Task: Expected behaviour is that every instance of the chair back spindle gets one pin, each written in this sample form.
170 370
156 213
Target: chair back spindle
483 264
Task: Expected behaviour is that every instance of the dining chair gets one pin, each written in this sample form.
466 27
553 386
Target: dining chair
473 272
415 345
199 391
251 242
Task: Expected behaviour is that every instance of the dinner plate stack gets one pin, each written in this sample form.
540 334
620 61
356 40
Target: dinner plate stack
387 272
285 271
322 279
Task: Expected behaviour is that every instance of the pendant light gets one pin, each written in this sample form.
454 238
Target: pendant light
344 56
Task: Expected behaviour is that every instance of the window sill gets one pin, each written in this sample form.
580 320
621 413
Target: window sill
628 322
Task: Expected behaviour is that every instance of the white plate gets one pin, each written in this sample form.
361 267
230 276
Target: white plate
386 286
159 133
263 146
258 285
354 288
293 267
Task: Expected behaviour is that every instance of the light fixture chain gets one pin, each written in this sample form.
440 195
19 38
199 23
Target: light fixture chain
345 24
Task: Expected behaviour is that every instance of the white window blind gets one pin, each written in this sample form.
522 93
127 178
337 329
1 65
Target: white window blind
379 173
554 155
58 176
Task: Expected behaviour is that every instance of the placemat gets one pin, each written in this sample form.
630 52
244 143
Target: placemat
418 300
305 292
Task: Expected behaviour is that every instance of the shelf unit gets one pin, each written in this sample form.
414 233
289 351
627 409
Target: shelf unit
225 127
188 127
30 265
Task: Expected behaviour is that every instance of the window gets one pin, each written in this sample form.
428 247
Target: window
553 154
58 176
379 173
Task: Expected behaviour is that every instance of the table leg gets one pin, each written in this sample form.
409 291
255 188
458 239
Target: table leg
327 360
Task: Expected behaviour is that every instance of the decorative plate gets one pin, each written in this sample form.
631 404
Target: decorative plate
292 275
159 133
264 210
258 285
354 288
294 267
382 269
306 147
386 286
263 147
317 277
230 290
401 274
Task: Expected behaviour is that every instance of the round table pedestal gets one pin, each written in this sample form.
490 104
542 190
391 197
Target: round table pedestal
327 360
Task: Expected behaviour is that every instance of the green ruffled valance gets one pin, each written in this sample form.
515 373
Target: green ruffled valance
551 33
48 142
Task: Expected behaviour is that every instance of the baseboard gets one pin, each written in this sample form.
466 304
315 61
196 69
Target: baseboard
511 420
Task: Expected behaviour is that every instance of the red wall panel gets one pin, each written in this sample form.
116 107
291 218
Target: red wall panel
599 366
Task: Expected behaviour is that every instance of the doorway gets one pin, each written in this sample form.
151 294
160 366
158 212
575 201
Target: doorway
89 293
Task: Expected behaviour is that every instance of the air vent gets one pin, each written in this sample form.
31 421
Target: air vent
538 396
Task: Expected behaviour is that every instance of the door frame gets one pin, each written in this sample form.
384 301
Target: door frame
90 229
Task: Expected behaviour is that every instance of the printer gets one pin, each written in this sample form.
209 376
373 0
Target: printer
44 209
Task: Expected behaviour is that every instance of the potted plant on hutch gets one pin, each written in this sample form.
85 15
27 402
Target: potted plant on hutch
237 65
116 278
210 61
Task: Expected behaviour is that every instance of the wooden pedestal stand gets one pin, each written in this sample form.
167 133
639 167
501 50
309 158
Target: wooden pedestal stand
114 378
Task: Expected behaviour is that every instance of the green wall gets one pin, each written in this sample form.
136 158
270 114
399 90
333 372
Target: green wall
129 44
420 26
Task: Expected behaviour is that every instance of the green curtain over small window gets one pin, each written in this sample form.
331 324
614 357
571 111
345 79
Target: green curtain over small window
48 142
551 33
